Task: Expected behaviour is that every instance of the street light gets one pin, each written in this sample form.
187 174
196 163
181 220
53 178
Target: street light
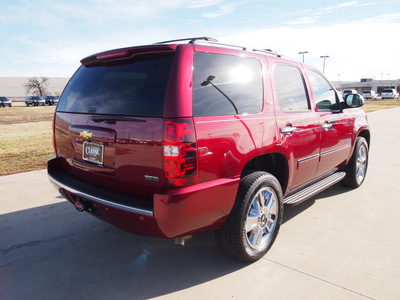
324 57
303 52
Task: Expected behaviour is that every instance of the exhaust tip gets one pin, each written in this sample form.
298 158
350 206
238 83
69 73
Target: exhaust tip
182 239
79 206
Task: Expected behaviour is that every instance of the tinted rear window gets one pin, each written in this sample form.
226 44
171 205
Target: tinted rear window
136 87
226 85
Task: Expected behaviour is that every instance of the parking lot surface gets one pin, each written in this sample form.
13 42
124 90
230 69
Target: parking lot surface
341 244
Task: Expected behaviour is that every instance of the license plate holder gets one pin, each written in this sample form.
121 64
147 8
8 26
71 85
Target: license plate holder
93 152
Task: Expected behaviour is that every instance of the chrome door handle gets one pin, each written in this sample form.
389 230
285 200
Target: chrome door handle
288 130
326 126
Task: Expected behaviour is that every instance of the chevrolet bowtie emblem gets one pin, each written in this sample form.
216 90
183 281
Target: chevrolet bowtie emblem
86 134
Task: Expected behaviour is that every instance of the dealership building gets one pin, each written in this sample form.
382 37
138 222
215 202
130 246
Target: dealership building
13 87
366 84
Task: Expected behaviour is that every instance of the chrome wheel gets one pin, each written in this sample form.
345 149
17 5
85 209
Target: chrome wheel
356 170
361 165
262 218
256 216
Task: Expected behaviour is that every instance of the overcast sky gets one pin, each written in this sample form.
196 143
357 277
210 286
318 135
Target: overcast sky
48 38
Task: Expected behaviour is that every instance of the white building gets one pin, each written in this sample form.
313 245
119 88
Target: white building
366 84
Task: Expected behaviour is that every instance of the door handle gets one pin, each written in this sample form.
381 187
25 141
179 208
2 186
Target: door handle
288 130
326 126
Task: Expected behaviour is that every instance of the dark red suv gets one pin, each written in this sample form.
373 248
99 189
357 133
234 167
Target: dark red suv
186 136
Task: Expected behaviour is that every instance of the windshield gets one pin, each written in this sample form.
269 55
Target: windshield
136 87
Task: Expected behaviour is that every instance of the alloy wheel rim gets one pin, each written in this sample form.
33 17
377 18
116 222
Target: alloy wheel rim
361 165
261 218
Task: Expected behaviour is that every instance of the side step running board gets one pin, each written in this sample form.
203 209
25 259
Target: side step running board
314 189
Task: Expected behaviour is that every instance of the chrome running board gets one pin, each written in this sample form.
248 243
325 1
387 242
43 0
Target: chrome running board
314 189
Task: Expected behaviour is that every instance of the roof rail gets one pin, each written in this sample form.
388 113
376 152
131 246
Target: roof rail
191 40
268 51
212 41
215 42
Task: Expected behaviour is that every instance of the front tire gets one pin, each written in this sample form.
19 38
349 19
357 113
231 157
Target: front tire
256 216
356 170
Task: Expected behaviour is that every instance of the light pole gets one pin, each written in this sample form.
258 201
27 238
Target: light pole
324 57
303 52
338 76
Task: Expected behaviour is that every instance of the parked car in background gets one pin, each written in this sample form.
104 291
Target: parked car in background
390 94
50 100
348 92
4 101
370 94
34 101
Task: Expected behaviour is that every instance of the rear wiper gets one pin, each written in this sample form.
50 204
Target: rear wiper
112 120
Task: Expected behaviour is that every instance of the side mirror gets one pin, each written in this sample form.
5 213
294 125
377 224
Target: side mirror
354 100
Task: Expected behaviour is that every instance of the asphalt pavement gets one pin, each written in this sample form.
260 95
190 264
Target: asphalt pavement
341 244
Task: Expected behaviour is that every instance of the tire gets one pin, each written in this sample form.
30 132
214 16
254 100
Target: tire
356 170
254 221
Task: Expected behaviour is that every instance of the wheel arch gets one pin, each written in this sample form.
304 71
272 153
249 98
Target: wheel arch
274 163
366 134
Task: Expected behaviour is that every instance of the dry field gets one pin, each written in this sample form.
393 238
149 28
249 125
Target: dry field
372 105
25 138
25 135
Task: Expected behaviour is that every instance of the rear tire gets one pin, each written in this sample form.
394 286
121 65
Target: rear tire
254 221
356 170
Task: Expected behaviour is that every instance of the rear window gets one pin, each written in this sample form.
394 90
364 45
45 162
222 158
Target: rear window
387 91
136 88
226 85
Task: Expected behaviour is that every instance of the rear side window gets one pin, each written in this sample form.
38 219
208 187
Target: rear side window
226 85
136 87
290 89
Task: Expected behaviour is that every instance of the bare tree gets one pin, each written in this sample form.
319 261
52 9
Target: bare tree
36 86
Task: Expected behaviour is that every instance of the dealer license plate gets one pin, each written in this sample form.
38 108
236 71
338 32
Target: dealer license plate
93 152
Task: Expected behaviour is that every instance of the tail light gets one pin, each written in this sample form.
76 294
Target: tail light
54 133
180 152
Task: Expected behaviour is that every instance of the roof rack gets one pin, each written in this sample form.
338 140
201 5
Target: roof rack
268 51
191 40
212 41
215 42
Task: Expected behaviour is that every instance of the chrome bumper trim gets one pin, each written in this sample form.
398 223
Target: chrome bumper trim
100 200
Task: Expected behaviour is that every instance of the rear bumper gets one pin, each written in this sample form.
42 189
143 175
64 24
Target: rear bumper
169 214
